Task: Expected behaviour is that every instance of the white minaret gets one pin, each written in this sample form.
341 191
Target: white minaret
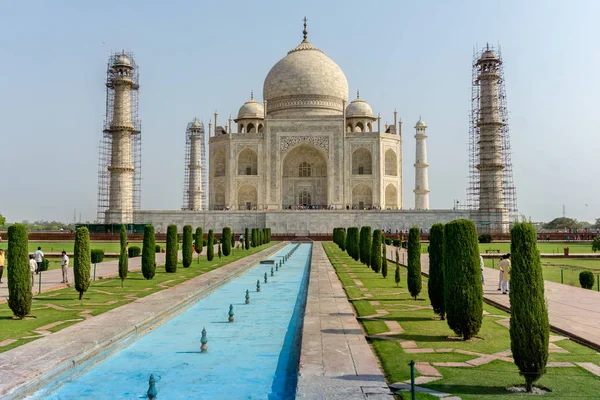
421 178
121 127
195 184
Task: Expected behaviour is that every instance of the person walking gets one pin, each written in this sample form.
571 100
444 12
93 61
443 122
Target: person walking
39 257
506 274
2 263
481 265
500 272
32 268
64 265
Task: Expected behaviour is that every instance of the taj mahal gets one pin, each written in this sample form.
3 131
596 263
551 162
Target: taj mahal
304 160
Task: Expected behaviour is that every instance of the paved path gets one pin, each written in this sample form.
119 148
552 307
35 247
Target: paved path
336 361
573 311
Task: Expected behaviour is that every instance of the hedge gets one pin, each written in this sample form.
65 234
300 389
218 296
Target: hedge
123 255
97 255
413 278
172 245
187 246
435 285
529 324
586 279
134 251
157 248
376 251
198 242
226 241
19 277
365 245
463 294
82 260
485 238
149 253
210 246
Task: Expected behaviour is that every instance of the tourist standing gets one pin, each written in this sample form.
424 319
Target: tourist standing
39 257
2 263
481 265
32 267
64 265
506 274
500 272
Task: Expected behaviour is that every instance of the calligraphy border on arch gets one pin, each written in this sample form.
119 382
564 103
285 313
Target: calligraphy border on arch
287 142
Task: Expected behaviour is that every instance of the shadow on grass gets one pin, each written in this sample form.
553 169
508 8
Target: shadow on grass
425 338
467 389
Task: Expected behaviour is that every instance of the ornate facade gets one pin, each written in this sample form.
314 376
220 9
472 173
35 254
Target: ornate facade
305 146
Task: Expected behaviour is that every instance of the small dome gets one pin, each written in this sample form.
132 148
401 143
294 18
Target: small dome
488 55
122 60
420 124
359 108
251 109
195 124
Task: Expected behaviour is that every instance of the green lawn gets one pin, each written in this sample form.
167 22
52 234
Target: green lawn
102 295
57 247
55 262
488 381
543 247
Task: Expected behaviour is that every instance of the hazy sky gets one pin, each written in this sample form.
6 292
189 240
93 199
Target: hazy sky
196 57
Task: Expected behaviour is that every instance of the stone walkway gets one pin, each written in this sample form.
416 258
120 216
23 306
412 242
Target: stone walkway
336 361
573 311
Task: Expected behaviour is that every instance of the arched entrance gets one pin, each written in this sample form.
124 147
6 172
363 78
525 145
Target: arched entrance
304 177
247 197
391 197
362 197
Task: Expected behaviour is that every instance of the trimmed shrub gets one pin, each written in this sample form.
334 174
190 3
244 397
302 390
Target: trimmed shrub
253 238
19 277
198 242
485 238
247 238
365 245
413 278
186 248
396 242
463 294
596 244
82 261
388 241
45 265
384 260
97 255
586 279
529 325
352 243
342 239
376 251
226 241
157 248
210 246
149 253
134 251
123 255
172 245
397 274
219 247
435 286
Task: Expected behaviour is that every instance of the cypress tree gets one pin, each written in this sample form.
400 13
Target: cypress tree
376 251
247 238
82 260
463 294
384 259
19 276
352 243
123 256
219 249
397 275
435 285
414 262
187 246
199 242
171 252
365 245
342 235
210 246
226 241
529 325
336 238
149 253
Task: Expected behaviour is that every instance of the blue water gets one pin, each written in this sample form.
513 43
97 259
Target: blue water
255 357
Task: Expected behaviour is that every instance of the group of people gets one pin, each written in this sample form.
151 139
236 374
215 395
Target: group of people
36 264
504 267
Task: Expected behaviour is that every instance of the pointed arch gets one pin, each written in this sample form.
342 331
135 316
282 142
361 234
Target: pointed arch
391 163
391 197
247 197
247 163
219 164
362 162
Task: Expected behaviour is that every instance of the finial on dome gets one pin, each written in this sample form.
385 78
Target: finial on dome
357 94
305 32
251 94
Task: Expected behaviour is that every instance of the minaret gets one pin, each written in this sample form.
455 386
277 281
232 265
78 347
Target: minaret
421 178
195 137
490 152
122 81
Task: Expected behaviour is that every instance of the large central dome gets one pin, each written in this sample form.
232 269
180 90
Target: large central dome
305 82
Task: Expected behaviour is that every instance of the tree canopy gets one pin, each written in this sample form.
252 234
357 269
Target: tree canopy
564 223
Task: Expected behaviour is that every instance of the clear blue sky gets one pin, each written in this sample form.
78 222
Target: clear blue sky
196 57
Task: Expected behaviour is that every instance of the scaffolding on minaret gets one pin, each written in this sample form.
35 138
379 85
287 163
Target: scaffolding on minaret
105 146
508 190
191 200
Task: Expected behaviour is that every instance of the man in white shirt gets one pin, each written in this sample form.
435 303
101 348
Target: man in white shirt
32 268
38 256
64 265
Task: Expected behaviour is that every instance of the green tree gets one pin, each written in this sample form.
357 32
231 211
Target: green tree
210 246
226 241
596 224
219 248
376 251
352 242
187 251
149 253
397 275
342 239
247 238
365 245
529 325
2 220
435 286
198 238
123 256
586 279
413 278
384 260
563 223
172 247
19 277
596 244
463 294
82 260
